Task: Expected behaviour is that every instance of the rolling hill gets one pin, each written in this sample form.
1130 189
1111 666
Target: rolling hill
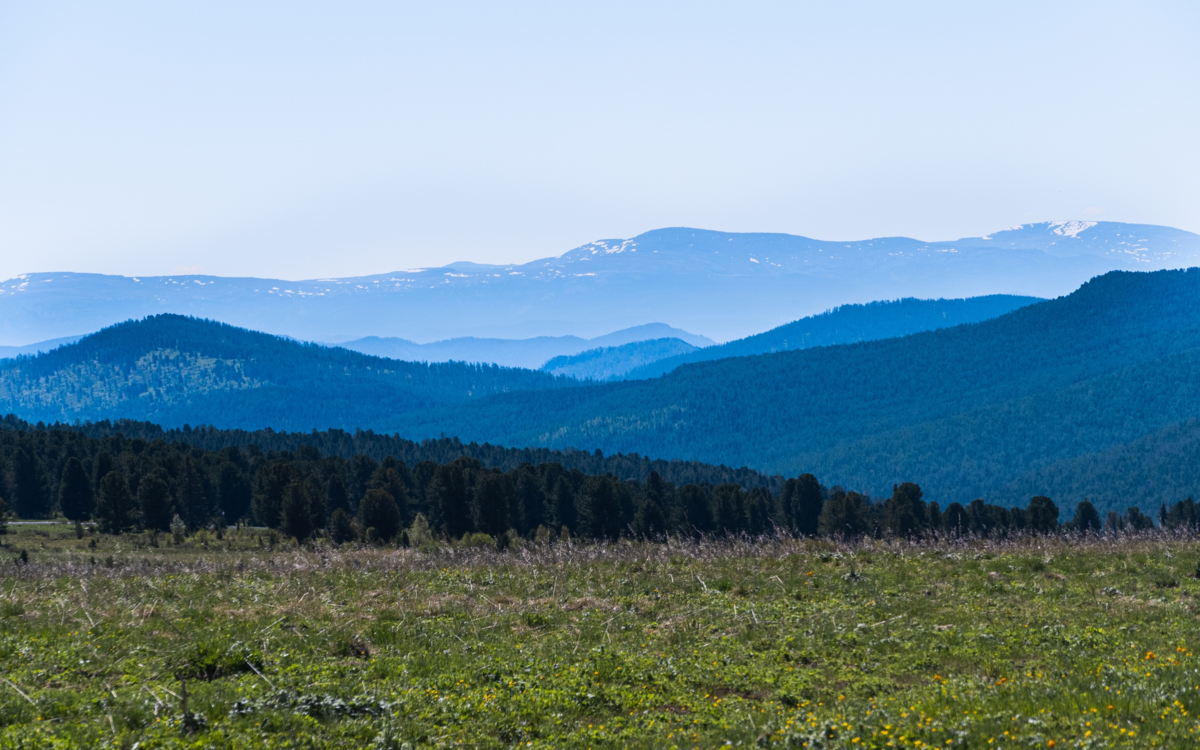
615 362
175 370
724 285
848 324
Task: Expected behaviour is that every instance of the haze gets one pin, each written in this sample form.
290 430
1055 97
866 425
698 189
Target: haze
308 140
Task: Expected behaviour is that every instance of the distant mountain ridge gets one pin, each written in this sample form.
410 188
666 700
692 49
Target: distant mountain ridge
615 362
848 324
724 285
528 353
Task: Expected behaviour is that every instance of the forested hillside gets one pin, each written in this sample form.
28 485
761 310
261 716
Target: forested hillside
849 324
615 362
127 484
173 369
963 411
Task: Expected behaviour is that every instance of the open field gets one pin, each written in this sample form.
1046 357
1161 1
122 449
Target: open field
1039 642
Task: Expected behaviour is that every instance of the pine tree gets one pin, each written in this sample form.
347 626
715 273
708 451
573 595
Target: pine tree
696 506
491 504
192 501
449 486
905 511
650 521
32 499
844 514
378 511
758 511
955 520
807 499
75 491
565 513
115 510
601 509
530 504
296 512
731 517
1042 515
154 498
270 481
336 496
391 479
234 491
1087 518
934 513
341 528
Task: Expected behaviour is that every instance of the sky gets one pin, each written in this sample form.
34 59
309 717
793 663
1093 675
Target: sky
304 140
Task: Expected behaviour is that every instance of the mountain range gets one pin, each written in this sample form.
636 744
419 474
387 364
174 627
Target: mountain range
529 353
993 410
1094 394
723 285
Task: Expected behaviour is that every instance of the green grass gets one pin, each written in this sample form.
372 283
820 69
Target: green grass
777 644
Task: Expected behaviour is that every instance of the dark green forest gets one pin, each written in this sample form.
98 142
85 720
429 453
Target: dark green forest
850 324
124 484
173 369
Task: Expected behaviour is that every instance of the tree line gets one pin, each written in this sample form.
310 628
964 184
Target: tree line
128 484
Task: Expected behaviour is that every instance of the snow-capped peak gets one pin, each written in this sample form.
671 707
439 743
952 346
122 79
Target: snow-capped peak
1070 228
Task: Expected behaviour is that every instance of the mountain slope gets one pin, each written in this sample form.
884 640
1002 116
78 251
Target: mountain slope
528 353
849 324
613 362
173 369
964 411
723 284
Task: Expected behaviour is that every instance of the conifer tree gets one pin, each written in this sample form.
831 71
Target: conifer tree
650 521
154 498
565 512
32 499
731 516
449 486
491 504
696 506
296 518
336 496
934 519
1042 515
530 501
378 511
234 491
115 510
192 501
601 508
844 514
955 520
1087 518
807 499
75 491
904 511
341 528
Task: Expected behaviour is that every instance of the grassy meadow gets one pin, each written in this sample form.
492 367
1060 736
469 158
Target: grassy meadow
246 642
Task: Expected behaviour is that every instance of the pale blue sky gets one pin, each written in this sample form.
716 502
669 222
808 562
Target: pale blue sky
330 139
